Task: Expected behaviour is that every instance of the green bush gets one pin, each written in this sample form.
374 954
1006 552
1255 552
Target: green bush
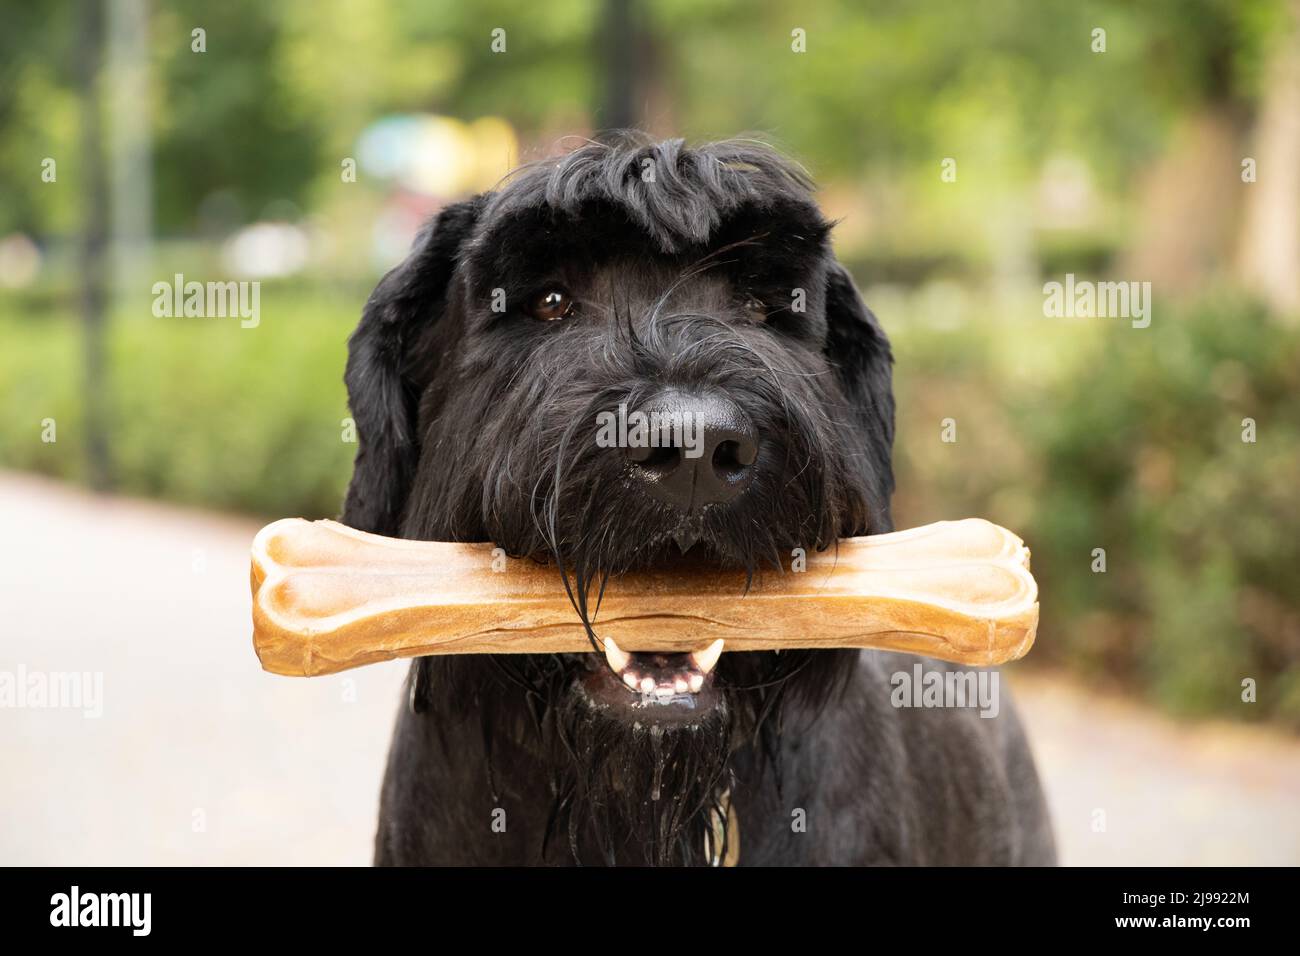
1143 454
1132 443
201 410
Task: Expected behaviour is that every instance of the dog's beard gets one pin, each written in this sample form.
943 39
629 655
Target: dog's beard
658 792
647 793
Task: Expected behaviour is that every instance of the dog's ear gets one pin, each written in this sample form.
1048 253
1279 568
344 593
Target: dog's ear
857 348
383 384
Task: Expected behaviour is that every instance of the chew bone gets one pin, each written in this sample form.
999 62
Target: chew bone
327 597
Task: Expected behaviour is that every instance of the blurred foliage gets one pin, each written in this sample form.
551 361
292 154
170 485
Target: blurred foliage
283 89
39 114
1144 456
234 91
203 411
1092 434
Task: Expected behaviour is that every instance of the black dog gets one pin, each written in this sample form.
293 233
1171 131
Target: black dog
698 284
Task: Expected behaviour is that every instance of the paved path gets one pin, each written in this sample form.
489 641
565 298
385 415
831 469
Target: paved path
199 757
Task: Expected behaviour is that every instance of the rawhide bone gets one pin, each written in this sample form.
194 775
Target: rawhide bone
327 598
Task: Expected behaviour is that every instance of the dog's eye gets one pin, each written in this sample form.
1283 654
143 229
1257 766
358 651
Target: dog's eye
551 305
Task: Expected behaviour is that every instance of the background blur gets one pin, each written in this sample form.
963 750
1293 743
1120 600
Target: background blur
971 152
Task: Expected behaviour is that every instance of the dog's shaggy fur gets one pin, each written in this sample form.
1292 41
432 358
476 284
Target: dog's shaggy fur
707 271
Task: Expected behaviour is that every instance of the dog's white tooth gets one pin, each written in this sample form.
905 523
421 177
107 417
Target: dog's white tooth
617 657
631 680
680 685
647 685
696 682
707 658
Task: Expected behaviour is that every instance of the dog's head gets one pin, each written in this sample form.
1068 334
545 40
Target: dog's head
621 356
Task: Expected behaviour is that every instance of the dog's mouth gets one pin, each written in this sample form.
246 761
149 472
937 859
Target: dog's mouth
659 686
663 676
653 684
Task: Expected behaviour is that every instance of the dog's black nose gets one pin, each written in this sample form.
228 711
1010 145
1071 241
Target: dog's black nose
698 449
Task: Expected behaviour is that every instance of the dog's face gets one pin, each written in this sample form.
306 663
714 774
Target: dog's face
635 355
